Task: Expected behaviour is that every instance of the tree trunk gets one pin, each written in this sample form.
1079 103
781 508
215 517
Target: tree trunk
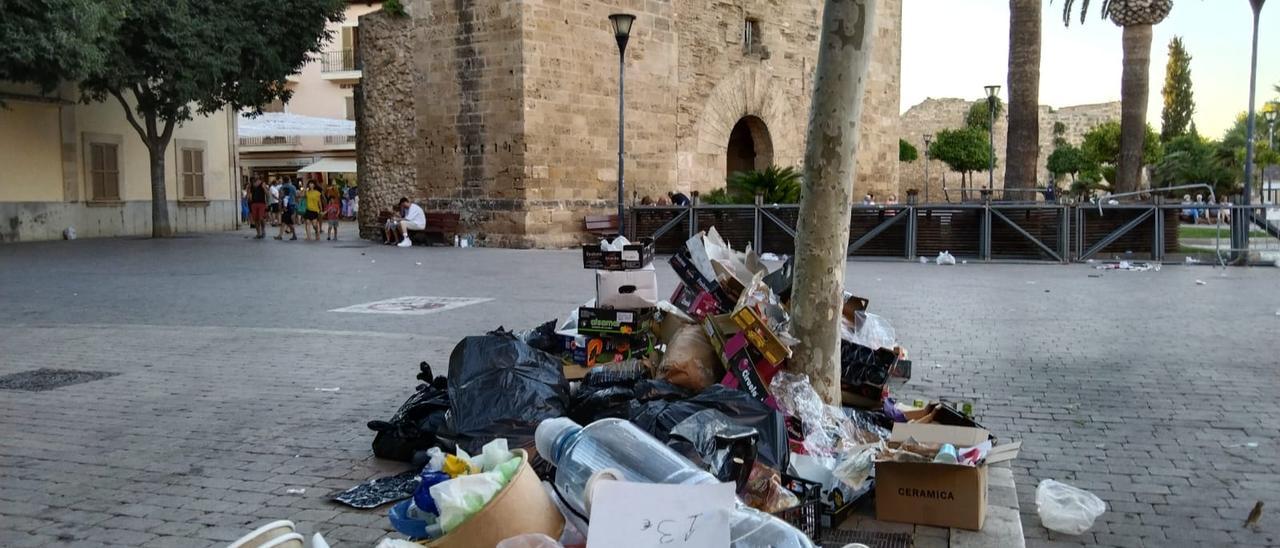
822 233
1022 149
1134 88
160 227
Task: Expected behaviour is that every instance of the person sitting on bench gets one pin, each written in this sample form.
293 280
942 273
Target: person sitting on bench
411 217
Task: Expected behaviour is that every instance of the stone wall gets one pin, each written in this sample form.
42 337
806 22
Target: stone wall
507 111
934 115
386 143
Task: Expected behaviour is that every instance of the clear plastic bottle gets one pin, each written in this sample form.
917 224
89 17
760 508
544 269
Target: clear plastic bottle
627 451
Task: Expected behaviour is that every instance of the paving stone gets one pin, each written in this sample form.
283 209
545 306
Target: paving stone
204 428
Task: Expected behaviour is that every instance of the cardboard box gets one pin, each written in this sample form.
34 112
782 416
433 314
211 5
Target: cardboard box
614 321
695 301
523 506
684 268
747 370
592 351
633 256
627 288
719 328
943 495
761 336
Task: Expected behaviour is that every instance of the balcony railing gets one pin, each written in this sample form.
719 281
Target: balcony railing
340 61
339 139
268 141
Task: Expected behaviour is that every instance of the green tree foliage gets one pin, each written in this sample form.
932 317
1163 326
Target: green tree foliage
1179 102
907 152
1101 145
171 59
46 42
719 196
979 117
1067 160
963 150
775 185
1191 159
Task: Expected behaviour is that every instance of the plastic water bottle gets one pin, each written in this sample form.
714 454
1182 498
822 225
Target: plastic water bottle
624 450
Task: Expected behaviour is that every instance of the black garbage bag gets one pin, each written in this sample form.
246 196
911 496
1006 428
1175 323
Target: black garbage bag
500 387
544 338
659 389
726 448
659 417
591 404
874 421
416 426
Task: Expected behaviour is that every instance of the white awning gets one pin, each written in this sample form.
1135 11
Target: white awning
330 165
283 124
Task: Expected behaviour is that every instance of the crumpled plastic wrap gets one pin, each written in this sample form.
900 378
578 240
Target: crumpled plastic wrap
764 491
616 245
827 431
1067 509
759 296
869 330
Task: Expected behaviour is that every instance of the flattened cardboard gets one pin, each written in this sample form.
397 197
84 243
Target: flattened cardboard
937 433
931 494
627 288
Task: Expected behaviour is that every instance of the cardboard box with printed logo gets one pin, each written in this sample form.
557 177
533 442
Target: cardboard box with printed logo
928 493
627 289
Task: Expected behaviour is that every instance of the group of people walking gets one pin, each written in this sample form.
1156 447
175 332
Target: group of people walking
287 202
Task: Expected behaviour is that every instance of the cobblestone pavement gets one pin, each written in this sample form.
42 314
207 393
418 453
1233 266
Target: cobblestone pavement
1153 392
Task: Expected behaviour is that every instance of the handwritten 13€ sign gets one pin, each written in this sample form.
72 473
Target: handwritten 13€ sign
646 515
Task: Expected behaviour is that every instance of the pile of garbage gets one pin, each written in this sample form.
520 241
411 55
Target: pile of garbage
692 390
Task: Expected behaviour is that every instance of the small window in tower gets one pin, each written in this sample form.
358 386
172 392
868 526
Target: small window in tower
751 38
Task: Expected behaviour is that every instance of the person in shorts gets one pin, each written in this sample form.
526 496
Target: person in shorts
332 212
258 208
273 202
411 218
288 199
312 217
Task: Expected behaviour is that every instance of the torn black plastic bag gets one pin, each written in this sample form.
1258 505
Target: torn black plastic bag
500 387
416 426
727 448
658 417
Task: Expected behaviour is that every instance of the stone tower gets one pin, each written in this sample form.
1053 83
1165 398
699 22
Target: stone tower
506 110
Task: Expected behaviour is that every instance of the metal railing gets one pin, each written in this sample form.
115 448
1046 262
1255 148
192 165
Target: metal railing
339 139
269 141
993 231
340 61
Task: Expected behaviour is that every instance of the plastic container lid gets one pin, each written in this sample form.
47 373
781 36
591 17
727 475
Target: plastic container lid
549 434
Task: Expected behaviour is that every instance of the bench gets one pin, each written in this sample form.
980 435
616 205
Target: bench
443 224
602 225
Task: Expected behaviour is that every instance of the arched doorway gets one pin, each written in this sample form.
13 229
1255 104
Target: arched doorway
749 146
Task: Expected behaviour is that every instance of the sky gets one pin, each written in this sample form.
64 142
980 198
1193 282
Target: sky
952 48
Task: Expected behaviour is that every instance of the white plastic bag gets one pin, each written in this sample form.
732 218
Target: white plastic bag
946 258
530 540
1067 509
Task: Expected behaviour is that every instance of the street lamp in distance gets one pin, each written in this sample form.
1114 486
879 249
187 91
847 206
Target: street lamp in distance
928 139
993 92
621 33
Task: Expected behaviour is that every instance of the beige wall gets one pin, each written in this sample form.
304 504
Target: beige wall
30 152
43 186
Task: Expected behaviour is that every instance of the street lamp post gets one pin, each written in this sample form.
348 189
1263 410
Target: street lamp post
928 139
621 32
992 92
1240 234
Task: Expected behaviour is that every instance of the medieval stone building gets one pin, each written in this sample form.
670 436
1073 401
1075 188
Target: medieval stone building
506 110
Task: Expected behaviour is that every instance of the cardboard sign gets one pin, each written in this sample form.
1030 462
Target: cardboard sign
647 515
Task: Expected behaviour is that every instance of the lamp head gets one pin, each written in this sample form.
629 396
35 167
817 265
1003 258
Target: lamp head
992 91
622 28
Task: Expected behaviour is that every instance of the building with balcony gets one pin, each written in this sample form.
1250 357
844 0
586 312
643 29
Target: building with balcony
72 165
322 91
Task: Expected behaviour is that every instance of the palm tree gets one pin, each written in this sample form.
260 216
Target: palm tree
1022 154
774 185
1136 17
